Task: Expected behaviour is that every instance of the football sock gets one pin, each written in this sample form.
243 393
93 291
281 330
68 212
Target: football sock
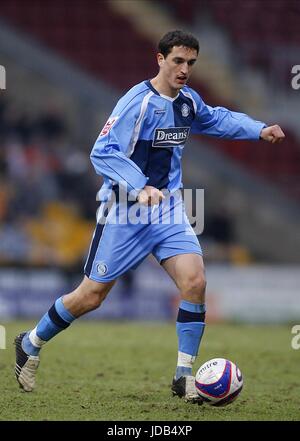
190 327
54 321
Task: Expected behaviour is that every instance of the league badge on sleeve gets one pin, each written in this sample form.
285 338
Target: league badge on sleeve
108 125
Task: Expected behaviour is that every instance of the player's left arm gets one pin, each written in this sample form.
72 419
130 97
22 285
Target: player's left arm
224 123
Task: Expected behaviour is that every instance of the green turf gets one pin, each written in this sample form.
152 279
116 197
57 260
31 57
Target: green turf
113 372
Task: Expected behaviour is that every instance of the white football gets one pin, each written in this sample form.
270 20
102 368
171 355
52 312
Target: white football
219 381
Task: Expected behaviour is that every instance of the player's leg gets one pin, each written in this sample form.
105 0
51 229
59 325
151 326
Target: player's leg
187 271
87 297
180 254
115 249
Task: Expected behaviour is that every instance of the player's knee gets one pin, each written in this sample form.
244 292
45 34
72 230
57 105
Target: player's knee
94 298
194 287
92 293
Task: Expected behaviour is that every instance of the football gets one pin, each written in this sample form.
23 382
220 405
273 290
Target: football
219 381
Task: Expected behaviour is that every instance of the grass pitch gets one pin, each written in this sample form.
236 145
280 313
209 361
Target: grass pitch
111 371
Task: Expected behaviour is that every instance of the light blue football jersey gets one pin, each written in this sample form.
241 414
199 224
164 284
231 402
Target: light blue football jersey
142 143
143 140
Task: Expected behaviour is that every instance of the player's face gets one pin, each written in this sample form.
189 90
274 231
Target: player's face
177 66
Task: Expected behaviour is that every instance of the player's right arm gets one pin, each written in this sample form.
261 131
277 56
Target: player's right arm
110 155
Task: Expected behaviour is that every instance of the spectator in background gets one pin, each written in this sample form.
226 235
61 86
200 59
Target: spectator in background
40 165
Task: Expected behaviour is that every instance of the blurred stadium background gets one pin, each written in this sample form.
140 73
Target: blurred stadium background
66 63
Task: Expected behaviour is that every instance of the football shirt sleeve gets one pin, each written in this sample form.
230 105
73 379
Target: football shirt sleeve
224 123
110 154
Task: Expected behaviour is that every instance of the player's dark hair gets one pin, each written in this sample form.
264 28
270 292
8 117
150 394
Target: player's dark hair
177 38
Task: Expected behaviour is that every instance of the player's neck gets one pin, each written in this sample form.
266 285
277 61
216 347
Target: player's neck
163 88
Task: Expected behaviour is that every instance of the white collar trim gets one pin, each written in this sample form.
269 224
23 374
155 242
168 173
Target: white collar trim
169 97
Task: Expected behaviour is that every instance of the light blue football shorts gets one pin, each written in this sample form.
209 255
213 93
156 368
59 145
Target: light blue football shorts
127 233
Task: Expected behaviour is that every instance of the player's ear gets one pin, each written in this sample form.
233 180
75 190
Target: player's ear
160 59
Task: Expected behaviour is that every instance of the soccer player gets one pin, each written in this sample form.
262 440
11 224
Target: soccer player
139 152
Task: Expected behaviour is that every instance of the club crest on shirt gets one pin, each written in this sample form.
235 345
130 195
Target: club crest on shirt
108 125
102 268
185 110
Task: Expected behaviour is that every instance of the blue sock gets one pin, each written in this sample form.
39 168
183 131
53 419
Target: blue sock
190 327
54 321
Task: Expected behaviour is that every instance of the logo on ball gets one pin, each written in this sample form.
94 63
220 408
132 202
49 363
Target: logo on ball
219 381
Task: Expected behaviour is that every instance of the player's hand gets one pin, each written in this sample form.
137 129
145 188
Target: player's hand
150 196
272 134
